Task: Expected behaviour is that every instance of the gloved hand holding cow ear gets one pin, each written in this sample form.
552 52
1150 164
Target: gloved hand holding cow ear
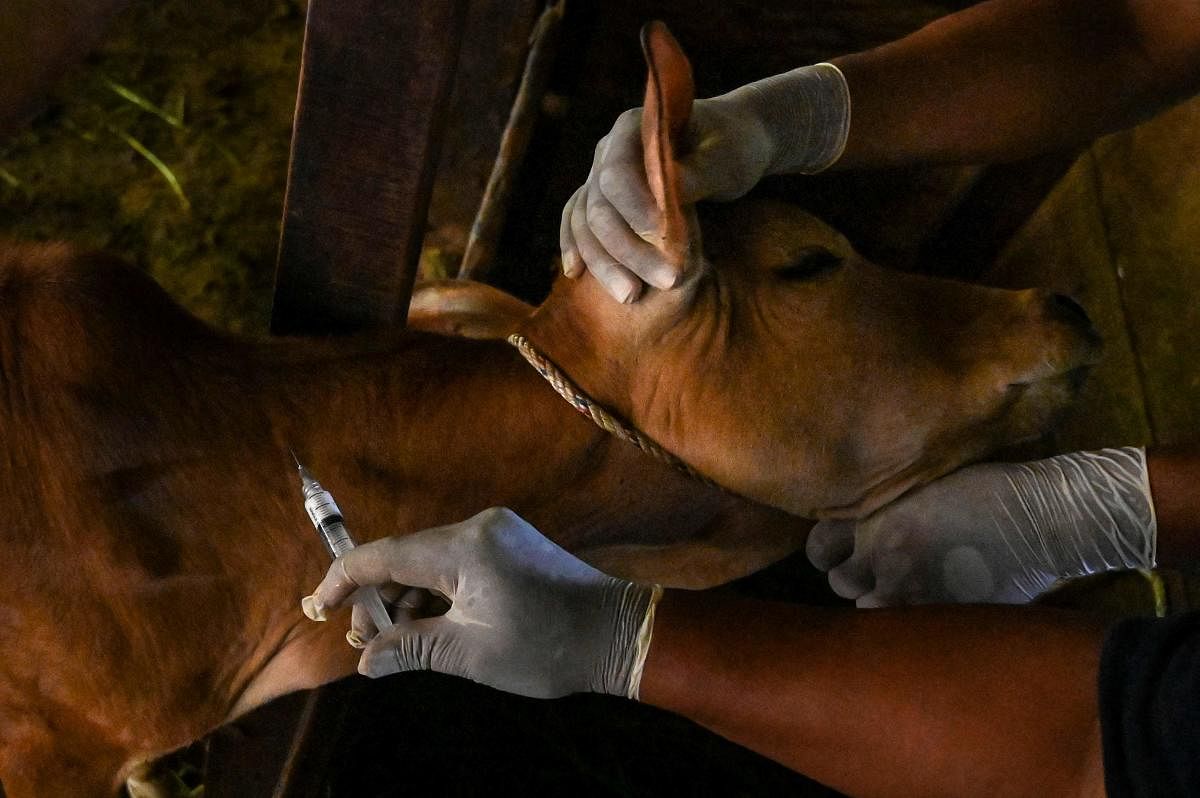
995 532
796 122
524 616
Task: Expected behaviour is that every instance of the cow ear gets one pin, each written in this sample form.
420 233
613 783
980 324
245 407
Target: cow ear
669 95
465 309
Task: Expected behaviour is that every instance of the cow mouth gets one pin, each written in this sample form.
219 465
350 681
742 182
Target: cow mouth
1032 411
1039 406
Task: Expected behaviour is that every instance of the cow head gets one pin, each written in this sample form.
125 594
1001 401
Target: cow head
792 370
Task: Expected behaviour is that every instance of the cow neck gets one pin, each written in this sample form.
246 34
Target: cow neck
425 434
599 343
601 416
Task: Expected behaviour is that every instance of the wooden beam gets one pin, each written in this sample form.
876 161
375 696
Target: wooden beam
1003 198
374 79
486 230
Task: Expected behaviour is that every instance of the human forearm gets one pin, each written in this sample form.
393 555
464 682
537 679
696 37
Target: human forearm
1009 78
1174 476
931 701
1000 80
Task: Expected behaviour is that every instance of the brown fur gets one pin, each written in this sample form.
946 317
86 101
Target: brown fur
156 548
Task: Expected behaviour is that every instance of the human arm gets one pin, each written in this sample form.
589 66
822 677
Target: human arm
996 81
1174 475
1010 78
1005 532
924 701
932 701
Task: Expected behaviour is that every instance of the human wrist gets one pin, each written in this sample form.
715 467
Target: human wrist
1091 511
805 114
632 624
689 661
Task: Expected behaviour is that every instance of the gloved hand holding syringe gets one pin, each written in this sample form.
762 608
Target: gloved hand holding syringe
327 519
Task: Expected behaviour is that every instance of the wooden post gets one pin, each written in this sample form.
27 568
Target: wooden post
374 79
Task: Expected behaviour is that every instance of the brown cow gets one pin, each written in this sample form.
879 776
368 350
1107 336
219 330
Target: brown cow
155 548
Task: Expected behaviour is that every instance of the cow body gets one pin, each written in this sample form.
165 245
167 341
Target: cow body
157 547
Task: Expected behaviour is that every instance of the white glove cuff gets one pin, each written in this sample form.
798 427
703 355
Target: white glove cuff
1152 522
806 113
642 646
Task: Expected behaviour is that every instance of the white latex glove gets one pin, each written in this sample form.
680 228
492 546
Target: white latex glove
996 532
796 122
525 616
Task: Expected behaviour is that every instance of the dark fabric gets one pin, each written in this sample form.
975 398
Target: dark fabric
1150 707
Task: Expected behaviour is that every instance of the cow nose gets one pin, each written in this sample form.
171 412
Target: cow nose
1061 307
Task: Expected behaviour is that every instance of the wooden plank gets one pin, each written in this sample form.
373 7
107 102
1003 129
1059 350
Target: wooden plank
495 43
374 79
1146 182
1064 247
493 208
1119 232
1001 200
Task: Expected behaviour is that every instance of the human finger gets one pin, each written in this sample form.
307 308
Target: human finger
852 579
572 263
871 601
621 176
418 560
616 236
830 543
616 279
398 599
898 581
407 646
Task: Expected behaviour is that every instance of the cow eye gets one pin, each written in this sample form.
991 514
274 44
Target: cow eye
810 263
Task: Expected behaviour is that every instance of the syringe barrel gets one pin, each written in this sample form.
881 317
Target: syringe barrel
327 519
335 537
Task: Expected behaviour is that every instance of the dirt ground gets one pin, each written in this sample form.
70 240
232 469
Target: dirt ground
169 146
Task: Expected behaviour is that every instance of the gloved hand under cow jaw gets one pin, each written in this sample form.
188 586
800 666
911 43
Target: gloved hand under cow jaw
996 533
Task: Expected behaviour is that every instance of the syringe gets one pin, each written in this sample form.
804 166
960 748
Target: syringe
327 518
